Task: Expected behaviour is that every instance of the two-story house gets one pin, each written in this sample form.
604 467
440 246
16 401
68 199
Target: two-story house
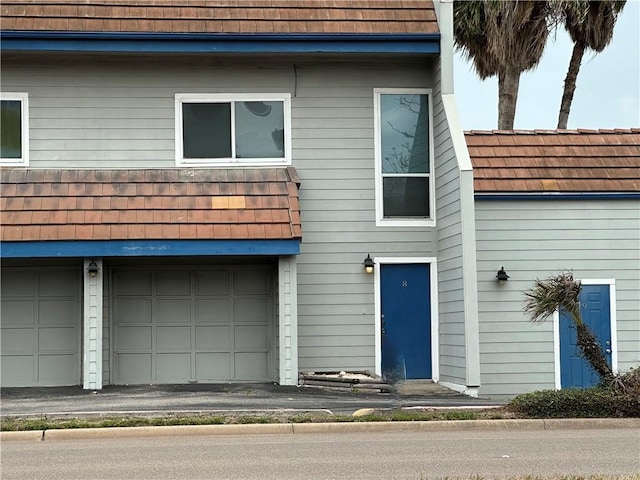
162 159
240 191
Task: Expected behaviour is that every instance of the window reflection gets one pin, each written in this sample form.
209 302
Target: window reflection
259 129
10 129
405 133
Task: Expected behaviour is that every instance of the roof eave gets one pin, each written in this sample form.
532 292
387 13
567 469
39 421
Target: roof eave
612 195
219 43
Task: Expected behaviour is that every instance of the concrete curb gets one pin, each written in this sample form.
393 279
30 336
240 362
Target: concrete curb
302 428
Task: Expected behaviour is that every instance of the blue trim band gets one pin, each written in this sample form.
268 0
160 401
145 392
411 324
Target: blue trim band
147 248
47 41
558 196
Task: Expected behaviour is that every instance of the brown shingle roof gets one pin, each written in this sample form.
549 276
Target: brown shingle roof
149 204
222 16
545 161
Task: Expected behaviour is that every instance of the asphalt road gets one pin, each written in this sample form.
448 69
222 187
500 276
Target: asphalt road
384 455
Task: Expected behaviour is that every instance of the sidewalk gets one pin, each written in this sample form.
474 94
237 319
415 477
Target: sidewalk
218 398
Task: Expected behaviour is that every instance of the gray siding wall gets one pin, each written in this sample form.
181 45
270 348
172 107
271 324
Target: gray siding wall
536 239
118 114
449 241
334 154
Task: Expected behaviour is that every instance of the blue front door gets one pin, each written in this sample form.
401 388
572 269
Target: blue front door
406 321
575 371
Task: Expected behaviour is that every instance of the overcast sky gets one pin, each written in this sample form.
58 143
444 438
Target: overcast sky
607 93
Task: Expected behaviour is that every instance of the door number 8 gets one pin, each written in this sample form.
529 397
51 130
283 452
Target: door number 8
405 284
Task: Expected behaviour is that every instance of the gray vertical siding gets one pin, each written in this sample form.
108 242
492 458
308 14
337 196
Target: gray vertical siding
449 241
535 239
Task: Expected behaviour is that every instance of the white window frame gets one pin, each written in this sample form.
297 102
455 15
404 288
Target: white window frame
23 98
381 221
181 98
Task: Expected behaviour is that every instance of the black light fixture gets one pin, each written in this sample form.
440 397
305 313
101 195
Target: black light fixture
93 269
369 264
502 276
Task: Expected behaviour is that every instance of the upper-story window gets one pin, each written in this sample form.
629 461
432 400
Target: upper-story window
238 129
404 158
14 129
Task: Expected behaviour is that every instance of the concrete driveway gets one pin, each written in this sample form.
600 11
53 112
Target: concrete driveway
167 399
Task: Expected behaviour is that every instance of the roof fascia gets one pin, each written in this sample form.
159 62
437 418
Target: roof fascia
559 196
117 42
146 248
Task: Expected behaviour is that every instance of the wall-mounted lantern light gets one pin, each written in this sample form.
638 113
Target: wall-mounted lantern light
368 264
93 269
502 276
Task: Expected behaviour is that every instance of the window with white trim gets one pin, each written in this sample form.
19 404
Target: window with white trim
14 129
233 129
404 157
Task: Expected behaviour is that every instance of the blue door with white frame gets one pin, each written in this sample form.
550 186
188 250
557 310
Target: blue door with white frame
595 307
406 321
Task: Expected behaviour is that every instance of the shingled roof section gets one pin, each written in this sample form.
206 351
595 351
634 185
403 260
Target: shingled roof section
224 16
555 161
172 204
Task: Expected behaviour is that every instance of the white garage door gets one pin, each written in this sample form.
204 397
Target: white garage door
179 325
40 327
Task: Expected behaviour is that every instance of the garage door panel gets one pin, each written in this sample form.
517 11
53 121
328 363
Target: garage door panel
57 312
251 366
57 370
132 283
173 311
40 327
18 284
254 310
212 366
250 282
207 326
17 340
133 338
133 310
213 338
212 283
173 283
213 311
173 338
18 312
133 367
58 284
173 367
17 370
57 339
253 337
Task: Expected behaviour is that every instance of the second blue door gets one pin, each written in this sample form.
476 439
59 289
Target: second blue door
575 372
406 321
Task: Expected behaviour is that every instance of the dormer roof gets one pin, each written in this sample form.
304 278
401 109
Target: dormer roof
555 161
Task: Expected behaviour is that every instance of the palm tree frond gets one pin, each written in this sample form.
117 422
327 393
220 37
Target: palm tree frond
548 295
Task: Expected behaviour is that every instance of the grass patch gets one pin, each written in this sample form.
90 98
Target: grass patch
20 425
413 415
